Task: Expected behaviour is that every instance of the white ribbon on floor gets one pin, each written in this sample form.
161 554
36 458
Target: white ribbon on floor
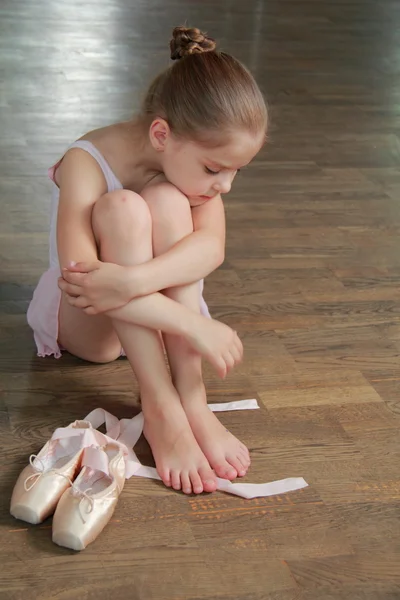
127 432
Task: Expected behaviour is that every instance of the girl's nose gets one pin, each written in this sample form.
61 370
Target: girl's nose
224 184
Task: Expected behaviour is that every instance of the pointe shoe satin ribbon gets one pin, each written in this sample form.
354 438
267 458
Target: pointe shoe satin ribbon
131 430
41 484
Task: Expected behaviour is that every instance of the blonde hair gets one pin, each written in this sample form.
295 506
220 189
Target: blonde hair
205 94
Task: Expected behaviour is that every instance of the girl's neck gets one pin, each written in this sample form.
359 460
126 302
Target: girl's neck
126 147
138 158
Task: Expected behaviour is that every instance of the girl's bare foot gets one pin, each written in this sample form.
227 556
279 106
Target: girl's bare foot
226 454
179 460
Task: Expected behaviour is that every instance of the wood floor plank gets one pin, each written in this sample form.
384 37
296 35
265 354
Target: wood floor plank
379 571
310 282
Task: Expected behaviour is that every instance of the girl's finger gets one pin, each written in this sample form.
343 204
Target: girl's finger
220 367
229 361
80 302
76 278
235 350
239 346
71 290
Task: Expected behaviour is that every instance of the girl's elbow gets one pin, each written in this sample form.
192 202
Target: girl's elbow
219 254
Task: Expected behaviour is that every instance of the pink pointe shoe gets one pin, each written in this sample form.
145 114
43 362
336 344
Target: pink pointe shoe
41 484
87 506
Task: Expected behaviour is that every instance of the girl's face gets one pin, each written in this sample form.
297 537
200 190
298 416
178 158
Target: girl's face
201 172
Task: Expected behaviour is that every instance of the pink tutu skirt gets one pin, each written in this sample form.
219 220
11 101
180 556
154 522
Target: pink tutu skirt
43 313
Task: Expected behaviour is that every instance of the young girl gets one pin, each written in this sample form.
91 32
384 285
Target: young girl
139 204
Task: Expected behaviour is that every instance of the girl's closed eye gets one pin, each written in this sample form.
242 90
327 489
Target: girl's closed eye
210 172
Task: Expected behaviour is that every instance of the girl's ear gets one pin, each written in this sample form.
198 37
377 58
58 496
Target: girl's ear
159 132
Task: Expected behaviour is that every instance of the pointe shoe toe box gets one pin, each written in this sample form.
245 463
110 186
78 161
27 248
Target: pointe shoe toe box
36 501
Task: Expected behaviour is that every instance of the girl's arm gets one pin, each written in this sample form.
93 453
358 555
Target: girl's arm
81 184
108 286
191 259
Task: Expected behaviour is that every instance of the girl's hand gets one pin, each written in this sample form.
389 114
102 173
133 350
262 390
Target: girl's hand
218 343
95 287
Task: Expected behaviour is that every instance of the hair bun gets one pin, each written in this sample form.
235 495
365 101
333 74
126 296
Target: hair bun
189 40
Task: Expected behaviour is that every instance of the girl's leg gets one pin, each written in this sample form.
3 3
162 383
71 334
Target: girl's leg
92 338
172 220
122 227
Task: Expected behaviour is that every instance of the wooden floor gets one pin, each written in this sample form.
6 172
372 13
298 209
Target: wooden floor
311 282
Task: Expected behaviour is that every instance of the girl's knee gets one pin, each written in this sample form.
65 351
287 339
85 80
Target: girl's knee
122 209
169 208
